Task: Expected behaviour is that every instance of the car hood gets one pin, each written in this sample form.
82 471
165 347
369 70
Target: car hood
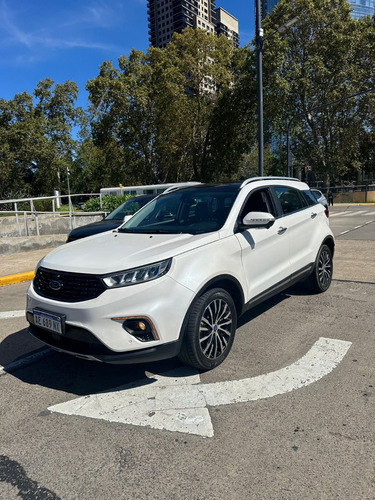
94 228
111 252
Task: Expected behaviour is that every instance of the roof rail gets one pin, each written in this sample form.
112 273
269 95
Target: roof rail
270 178
180 186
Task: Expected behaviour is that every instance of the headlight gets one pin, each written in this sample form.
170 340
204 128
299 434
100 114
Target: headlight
137 275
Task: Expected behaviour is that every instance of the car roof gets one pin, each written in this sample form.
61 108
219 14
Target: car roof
238 186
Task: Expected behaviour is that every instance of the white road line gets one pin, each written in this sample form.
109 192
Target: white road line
178 402
345 232
12 314
338 213
352 214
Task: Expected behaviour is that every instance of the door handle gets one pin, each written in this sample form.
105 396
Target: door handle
281 230
313 215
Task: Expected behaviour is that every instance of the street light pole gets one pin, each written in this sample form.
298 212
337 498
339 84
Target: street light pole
69 199
259 47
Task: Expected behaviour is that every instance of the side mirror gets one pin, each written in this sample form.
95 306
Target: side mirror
259 220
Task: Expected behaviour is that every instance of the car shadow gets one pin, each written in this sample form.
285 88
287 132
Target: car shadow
65 373
297 290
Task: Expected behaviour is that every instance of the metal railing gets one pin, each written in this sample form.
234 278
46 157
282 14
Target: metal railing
55 212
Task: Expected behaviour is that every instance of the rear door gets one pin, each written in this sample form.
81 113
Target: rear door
301 219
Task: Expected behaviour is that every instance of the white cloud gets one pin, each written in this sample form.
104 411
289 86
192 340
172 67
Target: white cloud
57 34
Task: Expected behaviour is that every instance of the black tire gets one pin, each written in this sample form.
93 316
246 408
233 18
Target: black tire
321 277
210 330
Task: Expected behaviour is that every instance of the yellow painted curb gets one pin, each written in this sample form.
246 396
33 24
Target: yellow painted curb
16 278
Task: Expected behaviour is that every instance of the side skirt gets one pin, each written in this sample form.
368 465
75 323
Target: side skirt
279 287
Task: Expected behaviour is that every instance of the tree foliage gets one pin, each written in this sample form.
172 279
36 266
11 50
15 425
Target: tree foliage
36 144
324 58
163 111
189 111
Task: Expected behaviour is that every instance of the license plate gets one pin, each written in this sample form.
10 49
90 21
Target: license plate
48 321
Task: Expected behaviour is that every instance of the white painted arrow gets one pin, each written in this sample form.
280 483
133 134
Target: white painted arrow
176 401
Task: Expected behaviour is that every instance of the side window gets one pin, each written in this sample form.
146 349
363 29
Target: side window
259 201
290 199
309 197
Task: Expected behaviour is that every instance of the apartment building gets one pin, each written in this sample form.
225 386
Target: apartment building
167 16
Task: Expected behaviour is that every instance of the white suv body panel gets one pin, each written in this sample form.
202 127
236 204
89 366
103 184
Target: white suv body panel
259 248
254 260
144 300
111 251
304 235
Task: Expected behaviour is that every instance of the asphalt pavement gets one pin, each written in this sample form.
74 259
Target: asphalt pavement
314 442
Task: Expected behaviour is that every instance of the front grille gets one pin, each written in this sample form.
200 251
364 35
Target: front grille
67 287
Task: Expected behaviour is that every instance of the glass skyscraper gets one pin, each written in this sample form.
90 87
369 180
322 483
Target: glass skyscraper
360 8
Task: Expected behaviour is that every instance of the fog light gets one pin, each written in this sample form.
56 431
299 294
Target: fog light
140 325
140 328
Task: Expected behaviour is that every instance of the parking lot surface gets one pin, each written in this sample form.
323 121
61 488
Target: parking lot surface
315 441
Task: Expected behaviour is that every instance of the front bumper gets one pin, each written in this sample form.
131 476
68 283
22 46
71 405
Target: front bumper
91 331
80 343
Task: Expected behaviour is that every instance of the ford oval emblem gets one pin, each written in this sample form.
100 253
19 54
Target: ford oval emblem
55 285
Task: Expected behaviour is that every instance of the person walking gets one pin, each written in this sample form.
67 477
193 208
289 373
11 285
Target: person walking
330 198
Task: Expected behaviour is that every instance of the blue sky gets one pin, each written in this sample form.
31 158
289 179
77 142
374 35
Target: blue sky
68 40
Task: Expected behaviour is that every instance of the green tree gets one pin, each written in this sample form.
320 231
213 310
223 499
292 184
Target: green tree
20 141
36 145
166 113
121 119
56 115
208 71
312 65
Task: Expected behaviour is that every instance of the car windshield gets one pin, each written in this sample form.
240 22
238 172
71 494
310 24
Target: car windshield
191 210
128 208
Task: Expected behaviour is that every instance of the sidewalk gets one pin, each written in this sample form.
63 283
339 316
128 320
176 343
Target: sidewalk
353 261
19 267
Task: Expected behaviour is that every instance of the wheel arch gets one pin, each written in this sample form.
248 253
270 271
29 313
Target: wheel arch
230 285
227 283
329 241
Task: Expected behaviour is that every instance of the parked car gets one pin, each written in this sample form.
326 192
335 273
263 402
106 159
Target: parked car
173 280
112 220
320 198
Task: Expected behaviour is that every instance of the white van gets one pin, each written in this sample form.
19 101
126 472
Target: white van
148 189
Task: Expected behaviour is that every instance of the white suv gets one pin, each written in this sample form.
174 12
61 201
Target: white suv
174 278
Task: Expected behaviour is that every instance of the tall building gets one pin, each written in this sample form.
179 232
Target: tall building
267 6
226 24
167 16
360 8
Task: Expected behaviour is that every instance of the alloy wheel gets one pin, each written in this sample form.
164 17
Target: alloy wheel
215 329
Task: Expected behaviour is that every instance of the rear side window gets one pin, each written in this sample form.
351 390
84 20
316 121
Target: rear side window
309 197
290 199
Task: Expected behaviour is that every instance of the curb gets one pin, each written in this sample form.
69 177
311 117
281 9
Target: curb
11 279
